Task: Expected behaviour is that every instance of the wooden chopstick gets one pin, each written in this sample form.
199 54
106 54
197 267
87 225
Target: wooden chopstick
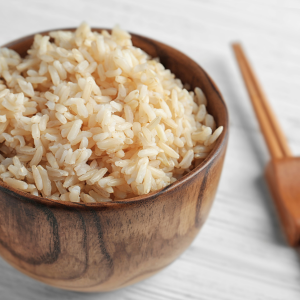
270 128
268 110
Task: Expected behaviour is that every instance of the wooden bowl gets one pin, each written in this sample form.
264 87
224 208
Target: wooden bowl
106 246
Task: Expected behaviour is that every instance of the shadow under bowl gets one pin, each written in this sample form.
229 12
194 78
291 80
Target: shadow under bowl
106 246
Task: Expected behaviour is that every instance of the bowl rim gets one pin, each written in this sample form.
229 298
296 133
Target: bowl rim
221 142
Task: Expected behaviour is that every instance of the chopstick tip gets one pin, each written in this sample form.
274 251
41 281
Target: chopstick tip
236 45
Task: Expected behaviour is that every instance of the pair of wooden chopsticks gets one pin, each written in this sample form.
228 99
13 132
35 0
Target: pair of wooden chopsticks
282 172
273 135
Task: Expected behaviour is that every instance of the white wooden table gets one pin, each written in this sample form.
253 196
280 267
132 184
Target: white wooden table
241 252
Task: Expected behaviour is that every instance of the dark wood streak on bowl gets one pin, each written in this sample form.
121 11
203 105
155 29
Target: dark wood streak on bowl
101 247
11 216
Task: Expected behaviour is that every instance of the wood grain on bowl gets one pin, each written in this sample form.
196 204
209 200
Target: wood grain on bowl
105 246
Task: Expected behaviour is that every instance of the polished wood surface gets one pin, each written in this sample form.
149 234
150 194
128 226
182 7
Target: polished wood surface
101 247
282 173
282 176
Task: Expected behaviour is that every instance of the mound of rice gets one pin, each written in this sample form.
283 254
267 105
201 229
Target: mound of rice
88 117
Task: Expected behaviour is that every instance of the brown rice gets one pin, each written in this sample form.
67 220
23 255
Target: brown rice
89 117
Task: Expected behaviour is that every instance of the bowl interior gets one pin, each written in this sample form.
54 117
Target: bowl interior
185 69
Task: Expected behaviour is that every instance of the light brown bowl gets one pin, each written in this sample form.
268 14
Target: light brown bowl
106 246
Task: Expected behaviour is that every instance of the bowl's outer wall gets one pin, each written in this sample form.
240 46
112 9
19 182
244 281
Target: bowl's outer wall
100 248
